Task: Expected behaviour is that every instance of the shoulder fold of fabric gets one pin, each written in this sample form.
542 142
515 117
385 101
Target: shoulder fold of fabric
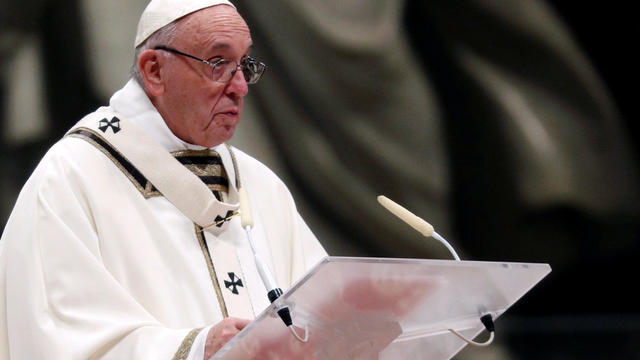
174 181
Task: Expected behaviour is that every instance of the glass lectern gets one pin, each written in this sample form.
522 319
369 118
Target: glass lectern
377 308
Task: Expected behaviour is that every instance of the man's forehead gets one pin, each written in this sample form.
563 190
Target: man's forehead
217 19
216 28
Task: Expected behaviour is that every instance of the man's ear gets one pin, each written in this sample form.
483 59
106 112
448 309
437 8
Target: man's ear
149 64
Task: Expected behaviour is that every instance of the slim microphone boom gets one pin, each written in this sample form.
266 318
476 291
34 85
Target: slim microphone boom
273 291
415 222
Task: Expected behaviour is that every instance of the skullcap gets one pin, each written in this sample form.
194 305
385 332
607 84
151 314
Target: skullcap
160 13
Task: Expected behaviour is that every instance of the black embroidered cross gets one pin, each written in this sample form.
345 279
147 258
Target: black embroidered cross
219 220
234 283
105 124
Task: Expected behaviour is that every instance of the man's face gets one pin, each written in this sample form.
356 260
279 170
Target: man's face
196 108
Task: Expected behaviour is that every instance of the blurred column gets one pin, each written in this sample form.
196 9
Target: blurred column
45 83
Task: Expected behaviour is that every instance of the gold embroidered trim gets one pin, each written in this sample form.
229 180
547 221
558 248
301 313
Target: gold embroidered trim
207 170
235 165
212 271
187 343
205 152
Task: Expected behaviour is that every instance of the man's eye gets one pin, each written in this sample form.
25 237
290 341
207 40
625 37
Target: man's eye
222 63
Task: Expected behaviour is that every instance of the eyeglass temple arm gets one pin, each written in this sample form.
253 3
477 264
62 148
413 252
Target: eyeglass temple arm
161 47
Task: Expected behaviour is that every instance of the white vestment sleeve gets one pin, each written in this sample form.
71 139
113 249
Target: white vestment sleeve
303 248
61 300
306 247
198 347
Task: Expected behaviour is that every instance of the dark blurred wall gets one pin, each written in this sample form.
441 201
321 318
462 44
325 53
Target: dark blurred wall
55 30
510 125
608 35
500 66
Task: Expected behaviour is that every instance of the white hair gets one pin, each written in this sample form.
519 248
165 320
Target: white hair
164 36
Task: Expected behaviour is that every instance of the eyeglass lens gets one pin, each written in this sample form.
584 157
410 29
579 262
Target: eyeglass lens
225 69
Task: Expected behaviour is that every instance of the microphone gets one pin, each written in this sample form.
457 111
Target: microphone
273 291
427 230
415 222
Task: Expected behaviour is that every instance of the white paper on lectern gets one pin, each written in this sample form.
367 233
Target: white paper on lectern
378 308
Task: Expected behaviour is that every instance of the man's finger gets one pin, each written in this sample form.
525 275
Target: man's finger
241 323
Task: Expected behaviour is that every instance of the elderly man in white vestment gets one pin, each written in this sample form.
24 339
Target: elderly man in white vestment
97 263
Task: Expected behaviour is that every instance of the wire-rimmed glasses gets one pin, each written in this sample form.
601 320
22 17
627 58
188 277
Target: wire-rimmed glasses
223 70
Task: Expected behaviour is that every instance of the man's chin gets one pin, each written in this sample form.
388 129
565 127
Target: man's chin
220 137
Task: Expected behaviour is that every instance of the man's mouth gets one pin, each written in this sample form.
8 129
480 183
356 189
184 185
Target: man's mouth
232 112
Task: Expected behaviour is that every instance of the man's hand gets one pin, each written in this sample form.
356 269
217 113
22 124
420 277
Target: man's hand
221 333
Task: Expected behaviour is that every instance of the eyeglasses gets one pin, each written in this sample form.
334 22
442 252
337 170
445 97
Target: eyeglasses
224 69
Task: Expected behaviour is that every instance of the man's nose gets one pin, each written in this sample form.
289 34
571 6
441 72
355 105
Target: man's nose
238 85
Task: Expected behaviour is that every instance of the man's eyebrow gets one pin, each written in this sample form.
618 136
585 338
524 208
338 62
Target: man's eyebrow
220 46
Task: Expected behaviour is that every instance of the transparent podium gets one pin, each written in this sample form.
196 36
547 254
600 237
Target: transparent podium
376 308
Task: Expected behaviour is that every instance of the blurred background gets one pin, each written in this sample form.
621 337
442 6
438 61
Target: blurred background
508 124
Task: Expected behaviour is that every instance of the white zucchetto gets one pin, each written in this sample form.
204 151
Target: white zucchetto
160 13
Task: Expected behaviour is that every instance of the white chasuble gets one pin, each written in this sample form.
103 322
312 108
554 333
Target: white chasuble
96 264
